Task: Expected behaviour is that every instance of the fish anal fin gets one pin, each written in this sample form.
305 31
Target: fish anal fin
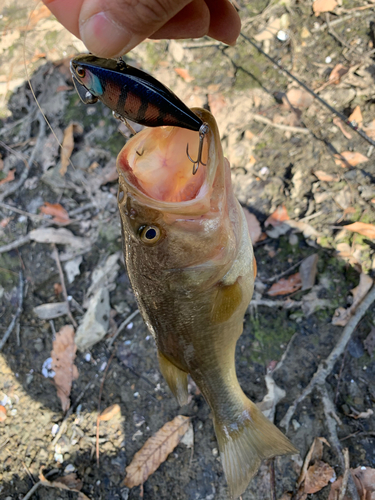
175 378
245 443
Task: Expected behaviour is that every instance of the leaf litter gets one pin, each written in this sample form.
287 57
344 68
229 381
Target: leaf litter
155 451
63 355
342 316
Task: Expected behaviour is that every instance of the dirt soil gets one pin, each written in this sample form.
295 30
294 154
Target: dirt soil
274 144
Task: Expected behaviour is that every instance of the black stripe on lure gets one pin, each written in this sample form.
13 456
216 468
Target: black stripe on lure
135 95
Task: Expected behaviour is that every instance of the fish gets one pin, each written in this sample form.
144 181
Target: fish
192 269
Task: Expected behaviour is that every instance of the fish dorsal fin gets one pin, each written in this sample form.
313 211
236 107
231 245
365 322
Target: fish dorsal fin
175 378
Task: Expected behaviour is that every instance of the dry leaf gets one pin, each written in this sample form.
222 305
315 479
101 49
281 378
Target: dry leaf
342 316
299 98
362 228
60 215
370 130
364 479
155 451
314 454
110 412
317 477
183 73
364 414
3 413
270 31
4 222
9 177
323 176
323 6
286 285
59 236
356 116
216 103
69 482
337 73
63 355
369 342
278 217
340 125
68 145
253 224
351 158
308 270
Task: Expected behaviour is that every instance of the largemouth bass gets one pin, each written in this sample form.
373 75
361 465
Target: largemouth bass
191 264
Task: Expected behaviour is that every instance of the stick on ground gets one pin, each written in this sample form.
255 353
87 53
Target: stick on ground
18 312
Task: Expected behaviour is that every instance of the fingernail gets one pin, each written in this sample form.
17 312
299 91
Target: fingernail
103 36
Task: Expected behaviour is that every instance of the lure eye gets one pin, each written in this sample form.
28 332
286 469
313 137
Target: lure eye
150 234
80 71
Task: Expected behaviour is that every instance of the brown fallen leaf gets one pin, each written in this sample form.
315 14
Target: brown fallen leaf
364 479
216 103
351 158
3 413
155 451
342 316
369 342
60 215
68 145
356 116
323 176
69 482
184 74
308 269
9 177
109 412
341 126
255 230
278 217
314 454
323 6
286 285
362 228
317 477
4 222
337 73
63 355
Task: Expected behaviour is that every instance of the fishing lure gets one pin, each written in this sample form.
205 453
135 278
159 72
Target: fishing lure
135 95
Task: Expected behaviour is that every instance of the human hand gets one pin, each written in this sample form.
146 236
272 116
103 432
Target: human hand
111 28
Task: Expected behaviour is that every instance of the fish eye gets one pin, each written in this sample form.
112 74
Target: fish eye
150 234
80 71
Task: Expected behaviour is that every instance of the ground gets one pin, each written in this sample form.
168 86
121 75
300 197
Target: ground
276 153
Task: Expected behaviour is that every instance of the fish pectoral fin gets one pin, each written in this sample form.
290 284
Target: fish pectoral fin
245 443
175 378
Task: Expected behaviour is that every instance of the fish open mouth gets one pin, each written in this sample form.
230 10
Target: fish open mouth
155 163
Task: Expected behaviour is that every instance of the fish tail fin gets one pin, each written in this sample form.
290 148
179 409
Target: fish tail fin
244 441
175 378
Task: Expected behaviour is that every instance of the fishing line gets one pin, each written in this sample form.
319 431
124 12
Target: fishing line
31 87
342 117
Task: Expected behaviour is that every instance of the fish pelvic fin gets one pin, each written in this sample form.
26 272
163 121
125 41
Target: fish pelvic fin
244 442
175 378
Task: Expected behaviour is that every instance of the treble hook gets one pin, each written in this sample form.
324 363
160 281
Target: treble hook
202 132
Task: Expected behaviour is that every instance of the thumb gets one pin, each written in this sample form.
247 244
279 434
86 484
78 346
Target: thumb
113 27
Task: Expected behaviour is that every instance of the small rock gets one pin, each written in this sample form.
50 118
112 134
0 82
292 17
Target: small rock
296 424
38 345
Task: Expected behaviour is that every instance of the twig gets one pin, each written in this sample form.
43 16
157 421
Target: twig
122 326
15 244
331 417
22 212
342 117
99 400
263 119
12 188
342 19
64 292
285 304
346 475
69 412
18 312
278 276
326 366
31 492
